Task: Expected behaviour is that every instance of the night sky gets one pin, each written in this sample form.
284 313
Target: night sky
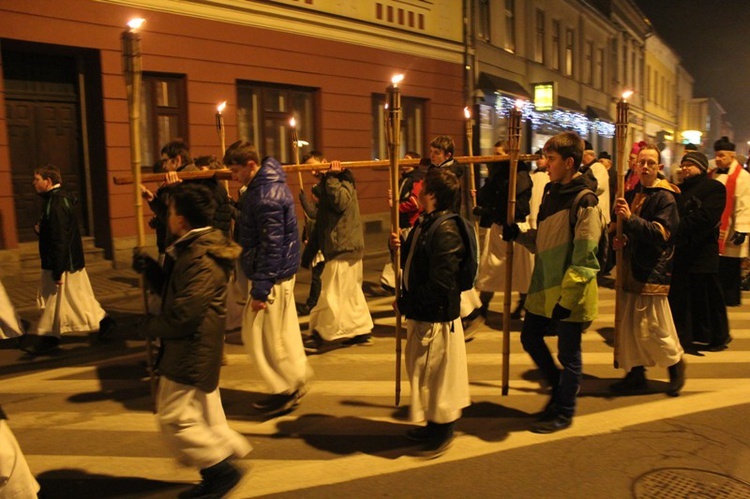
712 37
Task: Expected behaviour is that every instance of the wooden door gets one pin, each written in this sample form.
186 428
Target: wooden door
40 133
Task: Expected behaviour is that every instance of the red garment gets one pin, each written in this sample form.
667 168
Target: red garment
728 207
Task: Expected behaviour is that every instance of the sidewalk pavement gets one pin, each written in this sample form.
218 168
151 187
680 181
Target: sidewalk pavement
115 284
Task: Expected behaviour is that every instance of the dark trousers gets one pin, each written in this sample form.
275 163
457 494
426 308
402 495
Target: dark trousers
315 284
730 270
565 382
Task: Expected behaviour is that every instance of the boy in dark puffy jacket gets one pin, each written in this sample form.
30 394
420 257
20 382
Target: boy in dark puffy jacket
191 329
270 260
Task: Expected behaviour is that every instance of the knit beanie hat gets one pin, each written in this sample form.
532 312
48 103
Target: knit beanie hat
723 144
698 159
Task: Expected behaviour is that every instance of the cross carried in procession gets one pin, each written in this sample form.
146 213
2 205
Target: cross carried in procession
393 125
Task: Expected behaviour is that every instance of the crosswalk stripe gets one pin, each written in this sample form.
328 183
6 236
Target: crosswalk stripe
315 473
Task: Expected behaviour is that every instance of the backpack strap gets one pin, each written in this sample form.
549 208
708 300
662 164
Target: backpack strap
433 227
573 214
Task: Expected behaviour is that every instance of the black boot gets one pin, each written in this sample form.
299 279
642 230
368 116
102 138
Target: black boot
217 481
676 378
518 311
634 381
34 344
485 297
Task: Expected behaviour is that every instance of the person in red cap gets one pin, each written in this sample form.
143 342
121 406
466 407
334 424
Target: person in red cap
632 176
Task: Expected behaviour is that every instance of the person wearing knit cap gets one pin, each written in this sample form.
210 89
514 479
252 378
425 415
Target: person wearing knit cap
735 220
675 172
695 297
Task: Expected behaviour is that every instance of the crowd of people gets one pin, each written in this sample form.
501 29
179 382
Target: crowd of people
225 263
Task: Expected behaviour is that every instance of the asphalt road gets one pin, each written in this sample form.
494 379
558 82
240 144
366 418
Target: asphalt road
83 418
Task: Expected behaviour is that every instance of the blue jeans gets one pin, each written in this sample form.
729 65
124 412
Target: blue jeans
566 382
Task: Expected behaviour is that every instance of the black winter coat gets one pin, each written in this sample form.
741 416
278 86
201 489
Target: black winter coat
268 233
193 313
433 294
700 205
651 234
60 246
492 198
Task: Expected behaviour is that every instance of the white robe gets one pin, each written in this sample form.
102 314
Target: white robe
602 189
491 275
740 219
68 308
647 335
273 340
437 369
193 423
342 310
10 323
238 288
16 480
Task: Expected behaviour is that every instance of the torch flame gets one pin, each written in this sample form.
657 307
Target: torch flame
397 79
292 122
467 113
136 23
627 94
221 107
520 104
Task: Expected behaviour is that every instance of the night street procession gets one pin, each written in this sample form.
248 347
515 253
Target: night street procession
385 248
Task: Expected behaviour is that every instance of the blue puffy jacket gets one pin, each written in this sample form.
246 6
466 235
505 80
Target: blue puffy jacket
268 230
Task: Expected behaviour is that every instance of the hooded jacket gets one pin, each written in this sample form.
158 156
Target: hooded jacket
565 263
268 233
338 226
649 251
60 246
193 313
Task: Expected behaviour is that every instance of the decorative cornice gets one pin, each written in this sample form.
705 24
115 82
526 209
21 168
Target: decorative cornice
286 19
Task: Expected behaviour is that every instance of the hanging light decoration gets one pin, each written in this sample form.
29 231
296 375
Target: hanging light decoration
561 118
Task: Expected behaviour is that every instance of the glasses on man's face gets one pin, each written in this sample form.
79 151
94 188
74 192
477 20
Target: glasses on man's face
650 163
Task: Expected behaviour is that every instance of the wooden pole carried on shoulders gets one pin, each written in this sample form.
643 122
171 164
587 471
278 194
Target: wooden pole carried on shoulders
352 165
514 141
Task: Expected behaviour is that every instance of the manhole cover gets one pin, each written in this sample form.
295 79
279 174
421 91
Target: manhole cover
689 483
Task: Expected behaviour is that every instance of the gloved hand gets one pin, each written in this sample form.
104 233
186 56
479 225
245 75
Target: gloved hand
141 261
560 312
478 211
510 232
738 238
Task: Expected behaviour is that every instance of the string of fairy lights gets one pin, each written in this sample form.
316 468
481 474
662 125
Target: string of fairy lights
558 117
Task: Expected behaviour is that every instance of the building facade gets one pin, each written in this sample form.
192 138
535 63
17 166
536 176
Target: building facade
325 63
